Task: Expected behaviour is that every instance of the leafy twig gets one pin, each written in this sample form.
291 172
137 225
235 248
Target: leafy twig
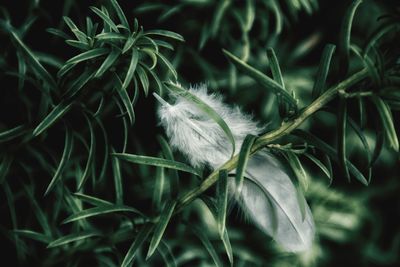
269 137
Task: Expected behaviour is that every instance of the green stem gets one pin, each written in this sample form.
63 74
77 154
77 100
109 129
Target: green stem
269 137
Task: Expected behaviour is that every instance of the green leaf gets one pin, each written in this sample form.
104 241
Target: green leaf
40 71
81 36
207 244
38 156
105 18
260 78
345 34
159 187
136 92
65 69
105 261
302 201
362 138
204 36
139 240
177 89
227 246
128 44
152 54
386 117
372 67
74 29
250 15
10 197
21 70
79 83
155 78
169 65
160 227
33 235
284 109
120 13
164 44
173 175
74 203
110 36
68 145
108 62
72 238
123 95
106 27
147 42
90 158
244 155
278 16
119 192
165 33
144 80
50 60
58 33
12 133
318 143
341 132
103 170
323 70
100 107
57 113
158 162
317 162
222 200
166 149
96 52
378 34
125 125
224 237
170 12
298 169
328 164
99 210
5 167
380 139
391 96
89 26
218 16
302 178
131 69
274 65
78 44
37 210
166 254
93 200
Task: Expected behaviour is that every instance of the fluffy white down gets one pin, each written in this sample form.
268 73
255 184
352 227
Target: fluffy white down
267 192
198 136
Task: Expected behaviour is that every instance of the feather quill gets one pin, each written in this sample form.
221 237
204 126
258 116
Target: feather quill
268 195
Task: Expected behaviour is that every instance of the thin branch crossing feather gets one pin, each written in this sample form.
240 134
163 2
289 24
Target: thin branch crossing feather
268 197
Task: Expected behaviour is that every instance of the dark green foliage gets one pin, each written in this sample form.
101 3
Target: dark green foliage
78 123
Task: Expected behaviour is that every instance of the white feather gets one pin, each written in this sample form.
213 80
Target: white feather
267 192
265 173
197 136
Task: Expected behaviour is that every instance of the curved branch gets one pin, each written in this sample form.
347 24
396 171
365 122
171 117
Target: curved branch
269 137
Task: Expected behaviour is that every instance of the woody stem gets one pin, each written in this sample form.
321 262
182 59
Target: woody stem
269 137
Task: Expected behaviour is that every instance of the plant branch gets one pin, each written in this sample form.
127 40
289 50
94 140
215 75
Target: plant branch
269 137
